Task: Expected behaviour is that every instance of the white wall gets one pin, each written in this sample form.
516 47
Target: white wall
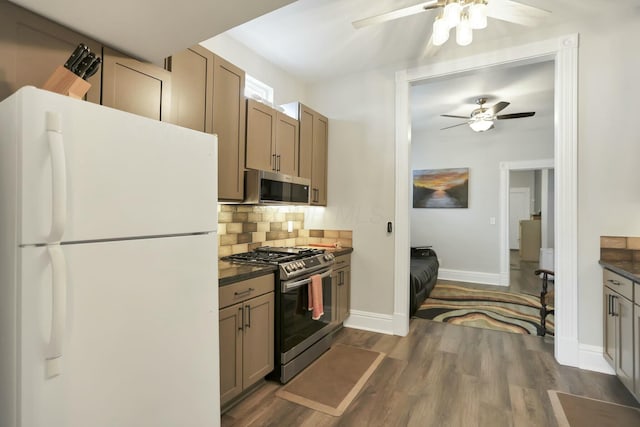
526 179
464 238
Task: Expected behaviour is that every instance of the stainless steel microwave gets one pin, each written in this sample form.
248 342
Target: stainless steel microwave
264 187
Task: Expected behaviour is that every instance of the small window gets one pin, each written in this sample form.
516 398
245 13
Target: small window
254 88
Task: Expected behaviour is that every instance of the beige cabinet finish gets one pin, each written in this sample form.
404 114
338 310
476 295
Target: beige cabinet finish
314 134
137 87
192 88
636 340
272 140
618 327
32 47
246 323
341 287
208 96
229 124
530 236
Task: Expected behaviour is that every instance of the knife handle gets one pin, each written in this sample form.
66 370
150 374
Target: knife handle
75 59
92 68
84 65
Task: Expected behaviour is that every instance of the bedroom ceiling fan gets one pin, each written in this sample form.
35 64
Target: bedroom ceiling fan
481 119
464 15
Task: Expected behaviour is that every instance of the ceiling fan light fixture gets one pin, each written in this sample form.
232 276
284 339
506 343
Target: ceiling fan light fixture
464 33
452 11
478 15
481 125
440 31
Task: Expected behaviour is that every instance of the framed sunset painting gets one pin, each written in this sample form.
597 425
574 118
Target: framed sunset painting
441 188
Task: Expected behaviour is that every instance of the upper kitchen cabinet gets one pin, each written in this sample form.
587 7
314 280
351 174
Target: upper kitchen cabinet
134 86
229 122
32 47
192 88
314 134
272 139
208 95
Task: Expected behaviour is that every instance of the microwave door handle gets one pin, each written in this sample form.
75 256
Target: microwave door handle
294 285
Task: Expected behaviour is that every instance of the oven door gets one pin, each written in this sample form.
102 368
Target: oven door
298 330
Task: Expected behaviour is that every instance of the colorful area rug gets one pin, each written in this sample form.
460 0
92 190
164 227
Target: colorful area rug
332 382
578 411
498 310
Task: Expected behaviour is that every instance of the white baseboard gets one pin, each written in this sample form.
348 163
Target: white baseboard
367 321
592 359
495 279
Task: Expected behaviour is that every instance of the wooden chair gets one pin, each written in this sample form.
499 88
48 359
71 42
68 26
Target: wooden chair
546 298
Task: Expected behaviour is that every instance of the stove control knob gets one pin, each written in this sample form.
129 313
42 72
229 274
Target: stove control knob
300 264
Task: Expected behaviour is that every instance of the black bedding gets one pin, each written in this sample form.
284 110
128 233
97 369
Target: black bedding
423 275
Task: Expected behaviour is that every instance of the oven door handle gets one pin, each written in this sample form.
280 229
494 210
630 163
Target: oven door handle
288 286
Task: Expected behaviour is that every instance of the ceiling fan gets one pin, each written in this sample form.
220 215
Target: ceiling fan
481 119
465 15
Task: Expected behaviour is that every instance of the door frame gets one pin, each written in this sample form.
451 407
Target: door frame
505 168
564 52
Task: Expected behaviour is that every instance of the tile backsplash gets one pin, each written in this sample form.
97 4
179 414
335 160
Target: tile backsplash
242 228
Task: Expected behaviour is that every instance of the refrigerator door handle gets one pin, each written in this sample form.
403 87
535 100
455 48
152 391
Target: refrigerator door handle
58 302
58 177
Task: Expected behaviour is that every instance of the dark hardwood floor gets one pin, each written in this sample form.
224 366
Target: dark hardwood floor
444 375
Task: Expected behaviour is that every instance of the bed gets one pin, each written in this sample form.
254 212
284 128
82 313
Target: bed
423 275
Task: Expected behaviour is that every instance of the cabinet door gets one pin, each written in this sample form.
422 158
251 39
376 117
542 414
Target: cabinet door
258 339
261 136
231 326
624 316
287 150
335 281
319 167
229 123
192 88
344 294
136 87
609 328
307 120
636 354
32 47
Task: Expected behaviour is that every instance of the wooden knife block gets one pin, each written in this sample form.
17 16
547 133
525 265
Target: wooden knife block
65 82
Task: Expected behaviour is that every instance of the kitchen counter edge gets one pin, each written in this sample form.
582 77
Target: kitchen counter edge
229 273
627 269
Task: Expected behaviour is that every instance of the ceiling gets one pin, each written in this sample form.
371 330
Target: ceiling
314 39
151 29
527 87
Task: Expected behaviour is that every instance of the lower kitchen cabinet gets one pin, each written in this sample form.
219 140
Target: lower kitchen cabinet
134 86
341 286
618 326
246 334
636 339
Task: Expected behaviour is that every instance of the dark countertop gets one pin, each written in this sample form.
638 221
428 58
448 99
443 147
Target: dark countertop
628 269
229 273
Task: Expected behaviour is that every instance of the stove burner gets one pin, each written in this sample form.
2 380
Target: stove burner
271 255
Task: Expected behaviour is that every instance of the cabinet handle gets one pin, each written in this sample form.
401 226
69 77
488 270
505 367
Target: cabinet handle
241 310
278 162
613 306
274 161
243 293
609 311
614 282
248 324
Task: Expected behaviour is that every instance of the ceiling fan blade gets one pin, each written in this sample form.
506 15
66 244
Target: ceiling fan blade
515 115
518 13
455 117
497 108
395 14
454 126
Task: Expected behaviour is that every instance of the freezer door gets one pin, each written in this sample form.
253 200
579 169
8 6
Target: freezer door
89 172
139 339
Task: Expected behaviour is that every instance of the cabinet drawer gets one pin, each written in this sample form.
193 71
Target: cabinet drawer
341 261
242 291
619 284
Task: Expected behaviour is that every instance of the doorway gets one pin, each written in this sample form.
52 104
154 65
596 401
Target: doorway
563 51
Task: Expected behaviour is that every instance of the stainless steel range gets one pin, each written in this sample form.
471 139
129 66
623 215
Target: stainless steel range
299 339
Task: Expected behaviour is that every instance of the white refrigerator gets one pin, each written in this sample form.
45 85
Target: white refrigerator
108 268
